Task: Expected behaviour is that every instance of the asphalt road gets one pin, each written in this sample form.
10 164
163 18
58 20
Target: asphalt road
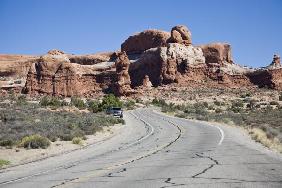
154 150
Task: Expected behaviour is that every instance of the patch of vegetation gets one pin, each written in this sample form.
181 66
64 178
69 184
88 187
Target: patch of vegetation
50 101
4 162
78 103
35 142
77 140
25 121
129 105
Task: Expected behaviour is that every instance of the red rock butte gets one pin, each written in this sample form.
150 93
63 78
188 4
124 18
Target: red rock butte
147 59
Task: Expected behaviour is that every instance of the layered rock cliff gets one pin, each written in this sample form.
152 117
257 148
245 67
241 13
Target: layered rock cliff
149 58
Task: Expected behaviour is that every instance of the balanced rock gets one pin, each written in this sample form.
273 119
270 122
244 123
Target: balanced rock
181 34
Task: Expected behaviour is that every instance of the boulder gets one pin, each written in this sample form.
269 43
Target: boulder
217 53
146 82
145 40
181 34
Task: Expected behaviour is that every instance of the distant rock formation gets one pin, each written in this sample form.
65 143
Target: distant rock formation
145 40
54 74
217 53
122 85
181 34
149 58
275 62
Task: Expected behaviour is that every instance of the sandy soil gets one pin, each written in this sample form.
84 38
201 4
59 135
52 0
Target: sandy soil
18 156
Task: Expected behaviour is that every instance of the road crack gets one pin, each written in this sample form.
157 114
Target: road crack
201 155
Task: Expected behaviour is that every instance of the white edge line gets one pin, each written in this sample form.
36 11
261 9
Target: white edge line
222 135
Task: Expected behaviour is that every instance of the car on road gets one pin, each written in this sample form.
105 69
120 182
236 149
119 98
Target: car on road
115 111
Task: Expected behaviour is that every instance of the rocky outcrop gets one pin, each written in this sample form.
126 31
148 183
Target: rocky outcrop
165 65
269 77
217 53
122 84
145 40
54 74
13 71
150 58
92 59
181 34
275 62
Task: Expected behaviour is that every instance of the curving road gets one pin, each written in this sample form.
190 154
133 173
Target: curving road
154 150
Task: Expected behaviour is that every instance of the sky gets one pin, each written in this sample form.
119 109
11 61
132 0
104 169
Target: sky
252 27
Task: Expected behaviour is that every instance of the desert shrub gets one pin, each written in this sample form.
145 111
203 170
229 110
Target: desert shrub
94 106
245 95
77 140
21 100
218 103
7 143
159 102
35 142
4 162
78 103
129 104
218 110
50 101
110 101
273 103
180 115
280 97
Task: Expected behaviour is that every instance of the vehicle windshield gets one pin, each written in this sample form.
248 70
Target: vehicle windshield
116 108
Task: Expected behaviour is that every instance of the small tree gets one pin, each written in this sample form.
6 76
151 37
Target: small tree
110 101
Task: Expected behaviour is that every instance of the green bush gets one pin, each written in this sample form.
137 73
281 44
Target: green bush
50 101
129 104
7 143
35 142
94 106
110 101
159 102
4 162
78 103
21 100
77 140
218 103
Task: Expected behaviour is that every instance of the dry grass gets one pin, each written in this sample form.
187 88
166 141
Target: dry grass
261 137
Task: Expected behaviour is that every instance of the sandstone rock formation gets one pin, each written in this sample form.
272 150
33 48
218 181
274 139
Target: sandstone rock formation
269 77
92 59
165 65
217 53
275 62
54 74
13 71
146 82
150 58
144 41
122 84
181 34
